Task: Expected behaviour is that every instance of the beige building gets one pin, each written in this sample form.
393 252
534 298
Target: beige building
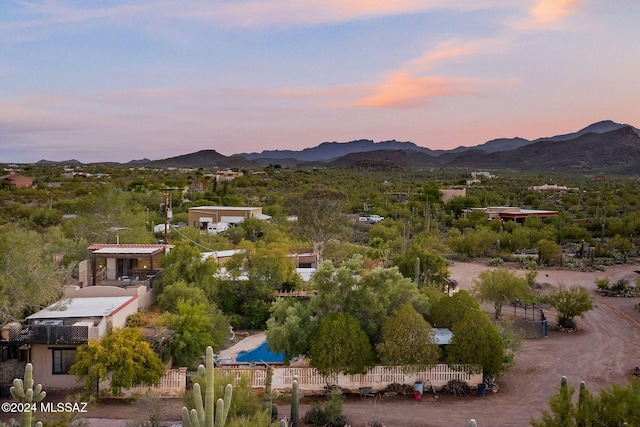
18 181
450 193
50 337
202 216
512 213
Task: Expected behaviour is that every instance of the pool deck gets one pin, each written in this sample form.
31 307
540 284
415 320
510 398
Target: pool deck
249 343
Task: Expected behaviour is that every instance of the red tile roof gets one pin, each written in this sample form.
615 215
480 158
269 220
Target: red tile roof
96 246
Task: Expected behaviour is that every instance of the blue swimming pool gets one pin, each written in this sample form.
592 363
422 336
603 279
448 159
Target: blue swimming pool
260 354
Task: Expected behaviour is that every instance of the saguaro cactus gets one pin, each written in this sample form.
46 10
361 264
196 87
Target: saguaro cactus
266 396
269 394
203 415
584 412
23 392
295 402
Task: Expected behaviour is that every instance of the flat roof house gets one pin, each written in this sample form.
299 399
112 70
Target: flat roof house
202 216
511 213
17 180
49 339
125 266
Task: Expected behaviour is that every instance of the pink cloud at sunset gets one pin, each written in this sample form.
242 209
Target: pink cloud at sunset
241 13
144 78
552 10
405 90
548 13
452 49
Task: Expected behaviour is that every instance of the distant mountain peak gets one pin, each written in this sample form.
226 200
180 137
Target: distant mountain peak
70 162
326 151
602 126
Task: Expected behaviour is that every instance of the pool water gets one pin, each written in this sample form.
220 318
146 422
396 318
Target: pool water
260 354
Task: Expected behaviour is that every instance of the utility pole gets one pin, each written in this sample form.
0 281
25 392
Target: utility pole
166 218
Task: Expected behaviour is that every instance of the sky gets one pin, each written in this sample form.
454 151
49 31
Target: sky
119 80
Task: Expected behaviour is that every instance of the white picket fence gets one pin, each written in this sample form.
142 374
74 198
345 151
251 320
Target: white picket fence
172 384
378 378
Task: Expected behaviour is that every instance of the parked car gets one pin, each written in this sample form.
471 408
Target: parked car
371 219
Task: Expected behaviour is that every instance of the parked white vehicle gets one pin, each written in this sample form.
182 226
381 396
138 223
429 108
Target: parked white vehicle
371 219
217 227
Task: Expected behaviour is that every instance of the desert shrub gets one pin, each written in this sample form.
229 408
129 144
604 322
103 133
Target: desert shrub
531 274
154 415
575 264
333 409
567 324
496 262
603 283
329 416
620 286
136 320
315 416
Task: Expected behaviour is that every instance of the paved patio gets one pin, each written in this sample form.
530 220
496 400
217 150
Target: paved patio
249 343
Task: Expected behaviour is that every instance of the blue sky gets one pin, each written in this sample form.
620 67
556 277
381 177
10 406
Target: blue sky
121 80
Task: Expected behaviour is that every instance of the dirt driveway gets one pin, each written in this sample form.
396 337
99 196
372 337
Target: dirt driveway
604 350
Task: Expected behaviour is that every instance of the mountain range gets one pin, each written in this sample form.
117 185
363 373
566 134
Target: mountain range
604 146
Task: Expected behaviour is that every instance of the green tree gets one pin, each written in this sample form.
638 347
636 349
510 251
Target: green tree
341 346
123 358
180 291
476 341
500 286
185 263
369 296
550 253
570 303
433 266
271 266
473 243
379 251
195 326
110 215
290 327
449 310
320 216
408 340
30 276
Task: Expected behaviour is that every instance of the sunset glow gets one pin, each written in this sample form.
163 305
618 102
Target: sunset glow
119 80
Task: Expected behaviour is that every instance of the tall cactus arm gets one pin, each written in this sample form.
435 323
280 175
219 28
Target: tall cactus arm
17 390
199 405
186 418
203 414
219 412
295 401
209 396
228 393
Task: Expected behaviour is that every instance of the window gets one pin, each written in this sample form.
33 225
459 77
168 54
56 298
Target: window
63 358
